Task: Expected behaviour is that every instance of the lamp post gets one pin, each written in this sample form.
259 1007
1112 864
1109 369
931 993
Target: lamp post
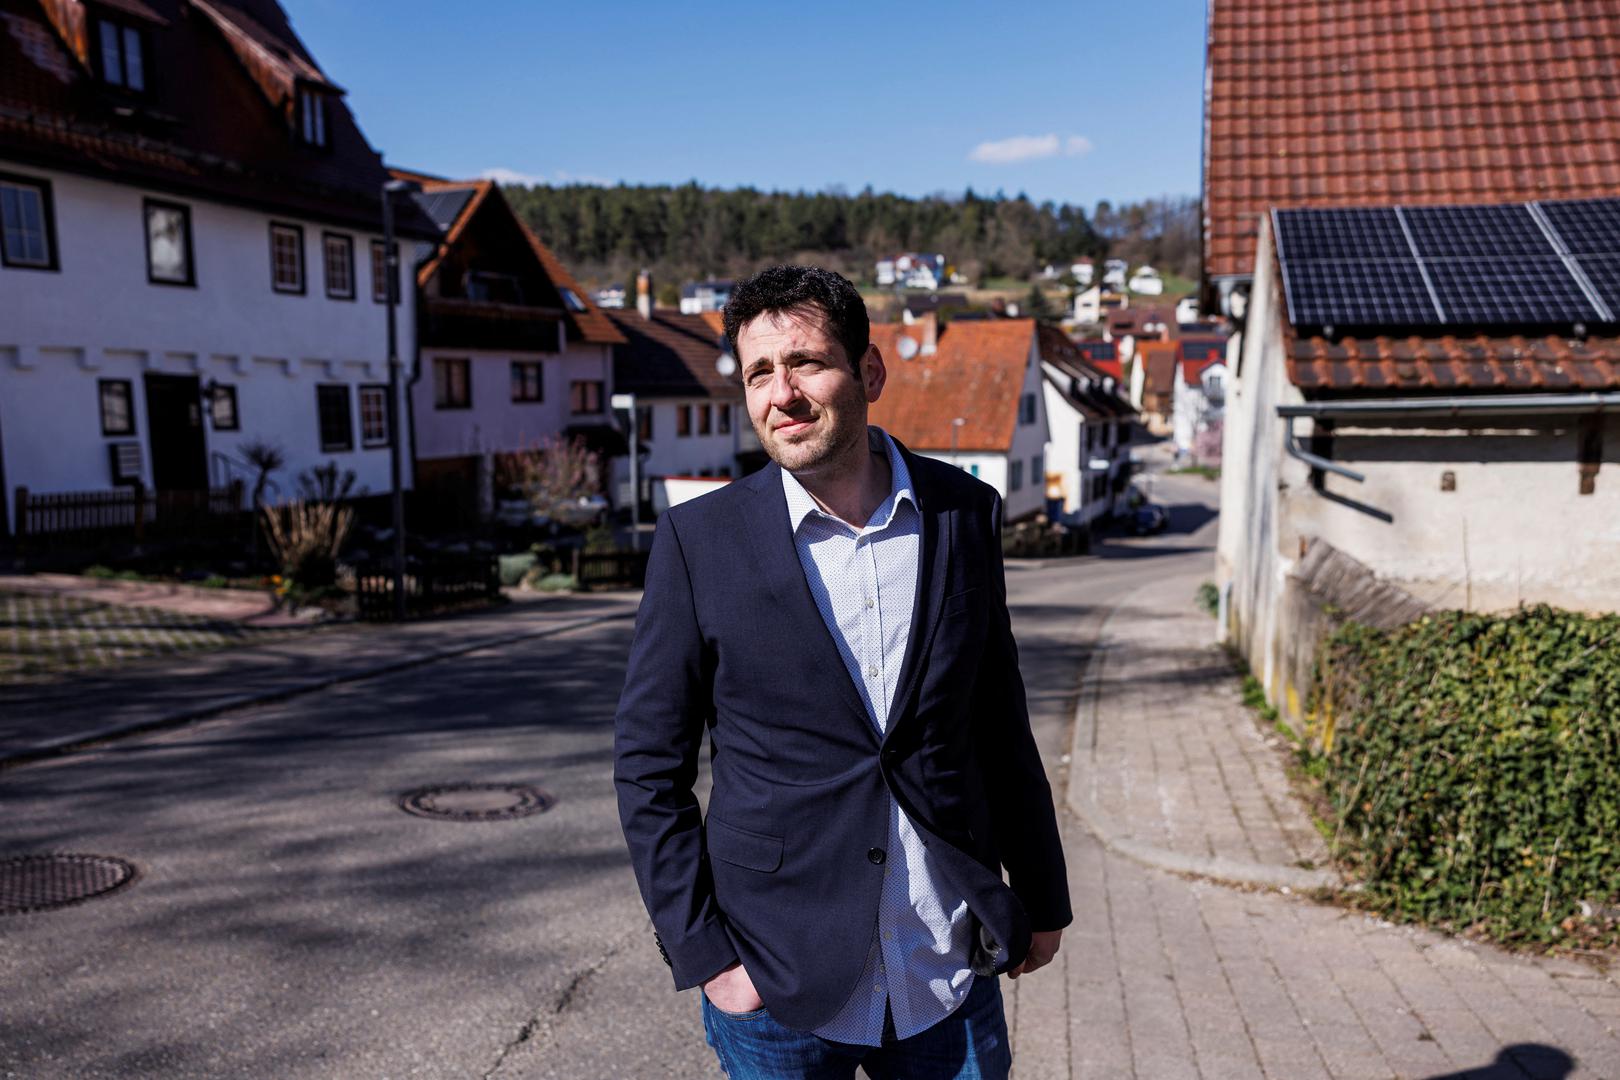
628 403
956 425
391 188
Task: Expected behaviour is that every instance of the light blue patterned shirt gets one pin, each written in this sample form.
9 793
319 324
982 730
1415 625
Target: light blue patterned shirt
865 585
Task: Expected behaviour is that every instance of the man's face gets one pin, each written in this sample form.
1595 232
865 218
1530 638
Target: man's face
805 399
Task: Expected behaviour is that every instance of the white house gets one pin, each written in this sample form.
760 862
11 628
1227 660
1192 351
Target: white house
610 296
1114 273
1089 425
1198 401
689 399
1083 271
970 393
511 352
1146 281
700 296
184 272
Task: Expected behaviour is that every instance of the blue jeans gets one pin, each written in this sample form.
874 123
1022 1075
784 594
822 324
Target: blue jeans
969 1044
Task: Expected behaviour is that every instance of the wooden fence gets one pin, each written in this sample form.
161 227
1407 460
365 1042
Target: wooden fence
132 513
610 569
431 584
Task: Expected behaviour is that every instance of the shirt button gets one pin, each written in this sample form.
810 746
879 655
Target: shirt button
877 988
888 935
869 603
876 856
871 671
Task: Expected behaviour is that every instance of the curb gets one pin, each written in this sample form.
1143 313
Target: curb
220 706
1118 839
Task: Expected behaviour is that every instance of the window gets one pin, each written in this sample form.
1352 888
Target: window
683 420
1036 473
572 301
168 244
452 384
725 419
312 116
705 419
492 287
117 407
286 258
374 415
26 237
337 426
644 423
121 54
973 469
585 396
1026 409
222 408
379 272
1015 481
339 251
527 381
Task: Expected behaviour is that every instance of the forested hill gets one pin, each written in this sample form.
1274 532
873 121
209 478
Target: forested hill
691 232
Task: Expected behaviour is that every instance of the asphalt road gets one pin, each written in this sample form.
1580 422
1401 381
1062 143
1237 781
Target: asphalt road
291 921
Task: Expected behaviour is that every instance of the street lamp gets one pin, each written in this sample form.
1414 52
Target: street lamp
390 189
628 403
956 425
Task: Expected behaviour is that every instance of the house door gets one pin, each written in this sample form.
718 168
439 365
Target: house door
174 424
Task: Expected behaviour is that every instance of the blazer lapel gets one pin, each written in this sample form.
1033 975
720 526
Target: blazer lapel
776 562
936 543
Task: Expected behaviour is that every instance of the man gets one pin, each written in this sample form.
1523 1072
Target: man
838 623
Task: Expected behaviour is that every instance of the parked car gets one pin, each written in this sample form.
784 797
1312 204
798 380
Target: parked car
1150 518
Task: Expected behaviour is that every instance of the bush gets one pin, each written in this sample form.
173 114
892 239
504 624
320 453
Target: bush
1209 599
305 538
1472 766
514 567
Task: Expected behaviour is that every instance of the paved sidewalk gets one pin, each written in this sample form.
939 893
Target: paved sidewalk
39 720
1169 766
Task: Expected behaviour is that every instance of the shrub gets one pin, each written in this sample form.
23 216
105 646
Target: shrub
514 567
305 538
1472 766
1209 599
99 572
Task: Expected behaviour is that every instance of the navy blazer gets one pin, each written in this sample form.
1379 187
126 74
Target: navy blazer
784 874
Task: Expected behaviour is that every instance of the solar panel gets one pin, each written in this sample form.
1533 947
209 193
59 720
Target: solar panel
1603 271
1587 226
1366 233
1508 231
1368 292
1519 291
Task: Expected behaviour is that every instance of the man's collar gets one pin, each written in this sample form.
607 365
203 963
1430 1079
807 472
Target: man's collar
801 505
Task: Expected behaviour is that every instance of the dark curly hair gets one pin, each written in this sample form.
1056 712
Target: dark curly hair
803 289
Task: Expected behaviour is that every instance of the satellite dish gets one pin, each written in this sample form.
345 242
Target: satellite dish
726 365
907 347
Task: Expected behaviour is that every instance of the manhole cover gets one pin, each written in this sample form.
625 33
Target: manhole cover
41 882
476 802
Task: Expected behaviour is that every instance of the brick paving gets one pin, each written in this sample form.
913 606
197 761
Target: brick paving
1168 759
46 635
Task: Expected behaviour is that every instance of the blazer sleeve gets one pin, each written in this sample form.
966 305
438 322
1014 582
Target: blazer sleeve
658 734
1023 818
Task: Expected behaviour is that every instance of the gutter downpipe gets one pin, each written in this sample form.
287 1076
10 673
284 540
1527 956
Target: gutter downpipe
1422 408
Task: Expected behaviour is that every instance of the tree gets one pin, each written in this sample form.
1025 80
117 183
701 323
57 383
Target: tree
555 475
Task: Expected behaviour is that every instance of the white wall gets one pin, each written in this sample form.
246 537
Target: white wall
495 423
99 317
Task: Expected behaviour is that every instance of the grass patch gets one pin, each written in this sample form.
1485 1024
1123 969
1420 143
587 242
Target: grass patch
1208 472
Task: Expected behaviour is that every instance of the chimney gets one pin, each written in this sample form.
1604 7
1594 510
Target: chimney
644 293
929 321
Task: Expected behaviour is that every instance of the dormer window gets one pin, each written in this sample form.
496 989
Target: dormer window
312 116
122 54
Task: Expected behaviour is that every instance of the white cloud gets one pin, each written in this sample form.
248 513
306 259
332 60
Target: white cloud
561 176
1029 148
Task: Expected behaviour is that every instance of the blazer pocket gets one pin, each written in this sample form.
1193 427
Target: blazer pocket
960 602
750 850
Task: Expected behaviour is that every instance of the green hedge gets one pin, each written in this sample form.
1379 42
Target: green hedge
1472 766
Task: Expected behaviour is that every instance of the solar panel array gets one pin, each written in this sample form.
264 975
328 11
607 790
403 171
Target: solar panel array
1548 266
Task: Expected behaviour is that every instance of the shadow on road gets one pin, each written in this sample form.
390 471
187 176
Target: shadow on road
1533 1060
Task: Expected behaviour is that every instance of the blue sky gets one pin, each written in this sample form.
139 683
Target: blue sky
1072 102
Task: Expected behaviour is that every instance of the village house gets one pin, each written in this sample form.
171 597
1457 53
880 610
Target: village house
511 352
1425 382
692 425
700 296
192 253
1198 398
1089 432
970 393
1153 373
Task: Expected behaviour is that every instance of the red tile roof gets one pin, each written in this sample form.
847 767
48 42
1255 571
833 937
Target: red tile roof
1412 101
1449 365
976 373
1158 360
670 355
